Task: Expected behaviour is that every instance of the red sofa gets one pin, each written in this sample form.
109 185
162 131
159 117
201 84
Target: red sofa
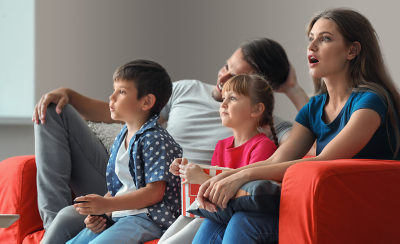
340 201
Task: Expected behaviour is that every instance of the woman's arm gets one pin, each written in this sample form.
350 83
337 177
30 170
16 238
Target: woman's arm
228 183
353 137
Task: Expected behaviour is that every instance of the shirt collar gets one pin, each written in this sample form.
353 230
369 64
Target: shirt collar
151 123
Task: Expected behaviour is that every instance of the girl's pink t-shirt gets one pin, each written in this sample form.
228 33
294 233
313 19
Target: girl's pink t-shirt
258 148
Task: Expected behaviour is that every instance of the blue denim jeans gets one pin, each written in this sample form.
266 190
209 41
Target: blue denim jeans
133 229
244 227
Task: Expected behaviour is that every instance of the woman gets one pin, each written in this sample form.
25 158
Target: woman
353 115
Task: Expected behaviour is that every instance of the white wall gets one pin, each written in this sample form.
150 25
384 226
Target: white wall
79 44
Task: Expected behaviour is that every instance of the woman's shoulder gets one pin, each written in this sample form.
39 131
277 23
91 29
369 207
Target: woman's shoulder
318 98
368 96
316 101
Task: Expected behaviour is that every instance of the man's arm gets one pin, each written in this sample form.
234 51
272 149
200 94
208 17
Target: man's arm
89 108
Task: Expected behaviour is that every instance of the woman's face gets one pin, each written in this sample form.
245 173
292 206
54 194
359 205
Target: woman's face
328 53
235 65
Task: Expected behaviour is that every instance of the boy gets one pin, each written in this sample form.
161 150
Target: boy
143 197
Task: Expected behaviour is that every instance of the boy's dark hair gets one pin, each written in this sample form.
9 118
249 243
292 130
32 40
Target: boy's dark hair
149 78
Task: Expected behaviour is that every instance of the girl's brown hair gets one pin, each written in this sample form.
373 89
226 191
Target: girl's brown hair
259 91
367 69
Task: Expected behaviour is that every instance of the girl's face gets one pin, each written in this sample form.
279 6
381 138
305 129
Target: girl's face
236 110
124 104
328 53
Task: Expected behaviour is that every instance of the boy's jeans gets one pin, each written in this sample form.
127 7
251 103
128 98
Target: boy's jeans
68 154
244 227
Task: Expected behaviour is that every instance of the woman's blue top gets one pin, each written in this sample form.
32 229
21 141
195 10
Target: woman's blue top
378 147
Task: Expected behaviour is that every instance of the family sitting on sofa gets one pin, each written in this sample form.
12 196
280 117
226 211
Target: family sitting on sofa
354 114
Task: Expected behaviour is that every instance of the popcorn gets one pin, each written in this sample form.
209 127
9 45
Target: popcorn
189 191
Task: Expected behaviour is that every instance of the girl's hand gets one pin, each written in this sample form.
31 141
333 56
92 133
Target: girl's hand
95 223
192 173
93 205
174 167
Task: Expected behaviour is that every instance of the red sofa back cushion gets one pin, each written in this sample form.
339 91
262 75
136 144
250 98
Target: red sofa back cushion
19 196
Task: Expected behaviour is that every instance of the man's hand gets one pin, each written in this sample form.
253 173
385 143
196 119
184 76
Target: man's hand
95 223
291 81
192 173
93 205
58 96
174 167
293 90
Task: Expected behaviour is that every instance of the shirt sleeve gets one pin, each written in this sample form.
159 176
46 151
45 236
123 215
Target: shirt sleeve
372 101
281 127
303 117
262 151
158 153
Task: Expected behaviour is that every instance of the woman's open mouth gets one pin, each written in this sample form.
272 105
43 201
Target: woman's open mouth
312 60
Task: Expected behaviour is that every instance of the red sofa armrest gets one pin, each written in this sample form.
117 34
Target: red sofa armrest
19 196
341 201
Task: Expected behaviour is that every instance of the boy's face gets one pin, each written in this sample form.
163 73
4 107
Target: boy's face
124 104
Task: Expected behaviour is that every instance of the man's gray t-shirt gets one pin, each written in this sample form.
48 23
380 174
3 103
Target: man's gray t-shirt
194 121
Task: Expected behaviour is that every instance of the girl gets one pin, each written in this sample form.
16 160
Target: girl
261 56
248 103
353 115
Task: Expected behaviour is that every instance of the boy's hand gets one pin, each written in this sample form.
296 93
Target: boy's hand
95 223
174 167
93 205
193 174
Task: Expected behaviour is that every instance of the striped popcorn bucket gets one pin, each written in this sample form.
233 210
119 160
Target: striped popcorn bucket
189 191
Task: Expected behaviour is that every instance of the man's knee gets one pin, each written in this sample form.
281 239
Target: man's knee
69 216
66 111
67 224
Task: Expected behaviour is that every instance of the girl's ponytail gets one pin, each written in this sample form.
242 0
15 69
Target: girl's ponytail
272 128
